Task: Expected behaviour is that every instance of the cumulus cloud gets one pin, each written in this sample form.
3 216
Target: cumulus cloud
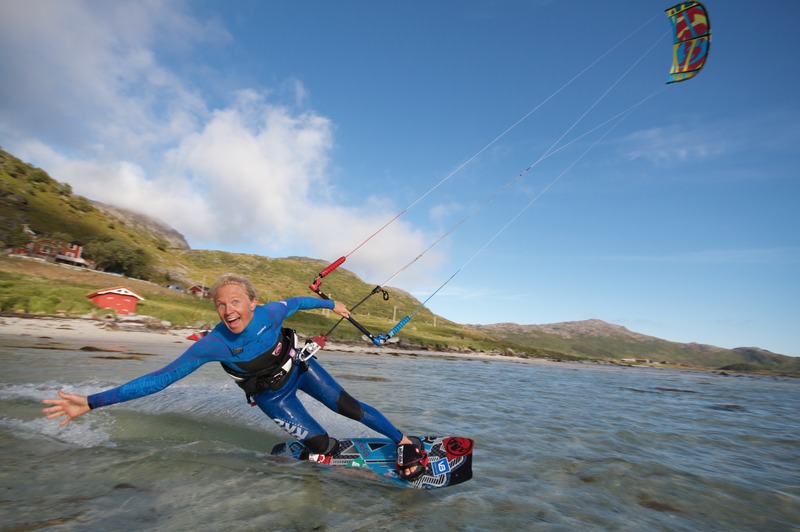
93 103
84 76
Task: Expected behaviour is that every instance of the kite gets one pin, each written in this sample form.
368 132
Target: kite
692 39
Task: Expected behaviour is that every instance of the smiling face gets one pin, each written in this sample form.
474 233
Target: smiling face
234 307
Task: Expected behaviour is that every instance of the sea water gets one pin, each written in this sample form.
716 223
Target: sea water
558 447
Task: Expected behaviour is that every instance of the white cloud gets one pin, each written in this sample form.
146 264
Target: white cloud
443 214
769 131
85 75
94 104
670 144
255 164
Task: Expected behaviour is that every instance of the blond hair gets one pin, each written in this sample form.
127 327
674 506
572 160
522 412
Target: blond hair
234 278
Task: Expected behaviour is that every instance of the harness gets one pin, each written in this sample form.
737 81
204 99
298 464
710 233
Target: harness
270 369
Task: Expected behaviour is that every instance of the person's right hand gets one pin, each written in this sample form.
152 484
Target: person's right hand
71 405
340 309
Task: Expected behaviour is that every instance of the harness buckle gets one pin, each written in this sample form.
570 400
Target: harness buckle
285 369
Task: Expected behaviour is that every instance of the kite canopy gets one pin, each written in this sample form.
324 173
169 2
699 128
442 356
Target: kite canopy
692 38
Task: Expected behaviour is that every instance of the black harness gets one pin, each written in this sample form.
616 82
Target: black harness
269 370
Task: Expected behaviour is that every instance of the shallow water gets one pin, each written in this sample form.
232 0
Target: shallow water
558 447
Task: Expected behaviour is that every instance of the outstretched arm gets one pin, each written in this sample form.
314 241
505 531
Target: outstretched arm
280 310
71 405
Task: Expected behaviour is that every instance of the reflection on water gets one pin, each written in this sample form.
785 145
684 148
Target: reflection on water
557 447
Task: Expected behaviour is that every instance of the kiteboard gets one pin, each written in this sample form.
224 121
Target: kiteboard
449 459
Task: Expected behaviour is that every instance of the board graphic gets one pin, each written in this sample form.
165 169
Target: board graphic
449 459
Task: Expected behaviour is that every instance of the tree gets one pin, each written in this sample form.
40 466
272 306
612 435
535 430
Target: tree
113 255
15 237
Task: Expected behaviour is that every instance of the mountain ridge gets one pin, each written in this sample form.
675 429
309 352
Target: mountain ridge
172 237
598 339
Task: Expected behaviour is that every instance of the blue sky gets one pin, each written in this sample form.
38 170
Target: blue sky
289 128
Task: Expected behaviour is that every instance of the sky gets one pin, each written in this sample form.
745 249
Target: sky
530 160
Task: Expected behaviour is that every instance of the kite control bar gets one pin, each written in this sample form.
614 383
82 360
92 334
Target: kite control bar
316 288
318 342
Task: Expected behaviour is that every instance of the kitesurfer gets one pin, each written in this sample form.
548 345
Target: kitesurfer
260 354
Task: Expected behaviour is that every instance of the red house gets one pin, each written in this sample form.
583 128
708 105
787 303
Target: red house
199 291
120 299
53 250
46 249
70 253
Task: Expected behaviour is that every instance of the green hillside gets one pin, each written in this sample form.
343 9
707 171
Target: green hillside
154 256
29 196
599 340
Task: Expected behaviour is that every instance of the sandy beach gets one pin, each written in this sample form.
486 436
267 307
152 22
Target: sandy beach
90 334
137 334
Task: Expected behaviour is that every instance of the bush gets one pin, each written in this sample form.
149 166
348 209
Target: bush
79 203
38 304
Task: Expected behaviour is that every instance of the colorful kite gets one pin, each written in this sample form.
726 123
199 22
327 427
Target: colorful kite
692 38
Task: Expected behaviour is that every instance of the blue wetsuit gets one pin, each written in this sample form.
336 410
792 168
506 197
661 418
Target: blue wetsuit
281 405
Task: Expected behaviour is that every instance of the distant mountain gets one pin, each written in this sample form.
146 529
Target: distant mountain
597 339
156 228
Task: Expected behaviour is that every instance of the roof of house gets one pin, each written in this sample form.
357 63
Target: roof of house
120 290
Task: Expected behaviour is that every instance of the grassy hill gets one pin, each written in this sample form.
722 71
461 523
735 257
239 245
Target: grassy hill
597 339
29 196
35 287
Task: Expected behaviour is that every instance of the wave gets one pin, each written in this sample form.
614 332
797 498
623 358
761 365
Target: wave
183 414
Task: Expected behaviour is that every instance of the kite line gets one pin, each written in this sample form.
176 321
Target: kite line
686 50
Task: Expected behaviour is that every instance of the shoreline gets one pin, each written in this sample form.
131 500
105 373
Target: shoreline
133 334
142 336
